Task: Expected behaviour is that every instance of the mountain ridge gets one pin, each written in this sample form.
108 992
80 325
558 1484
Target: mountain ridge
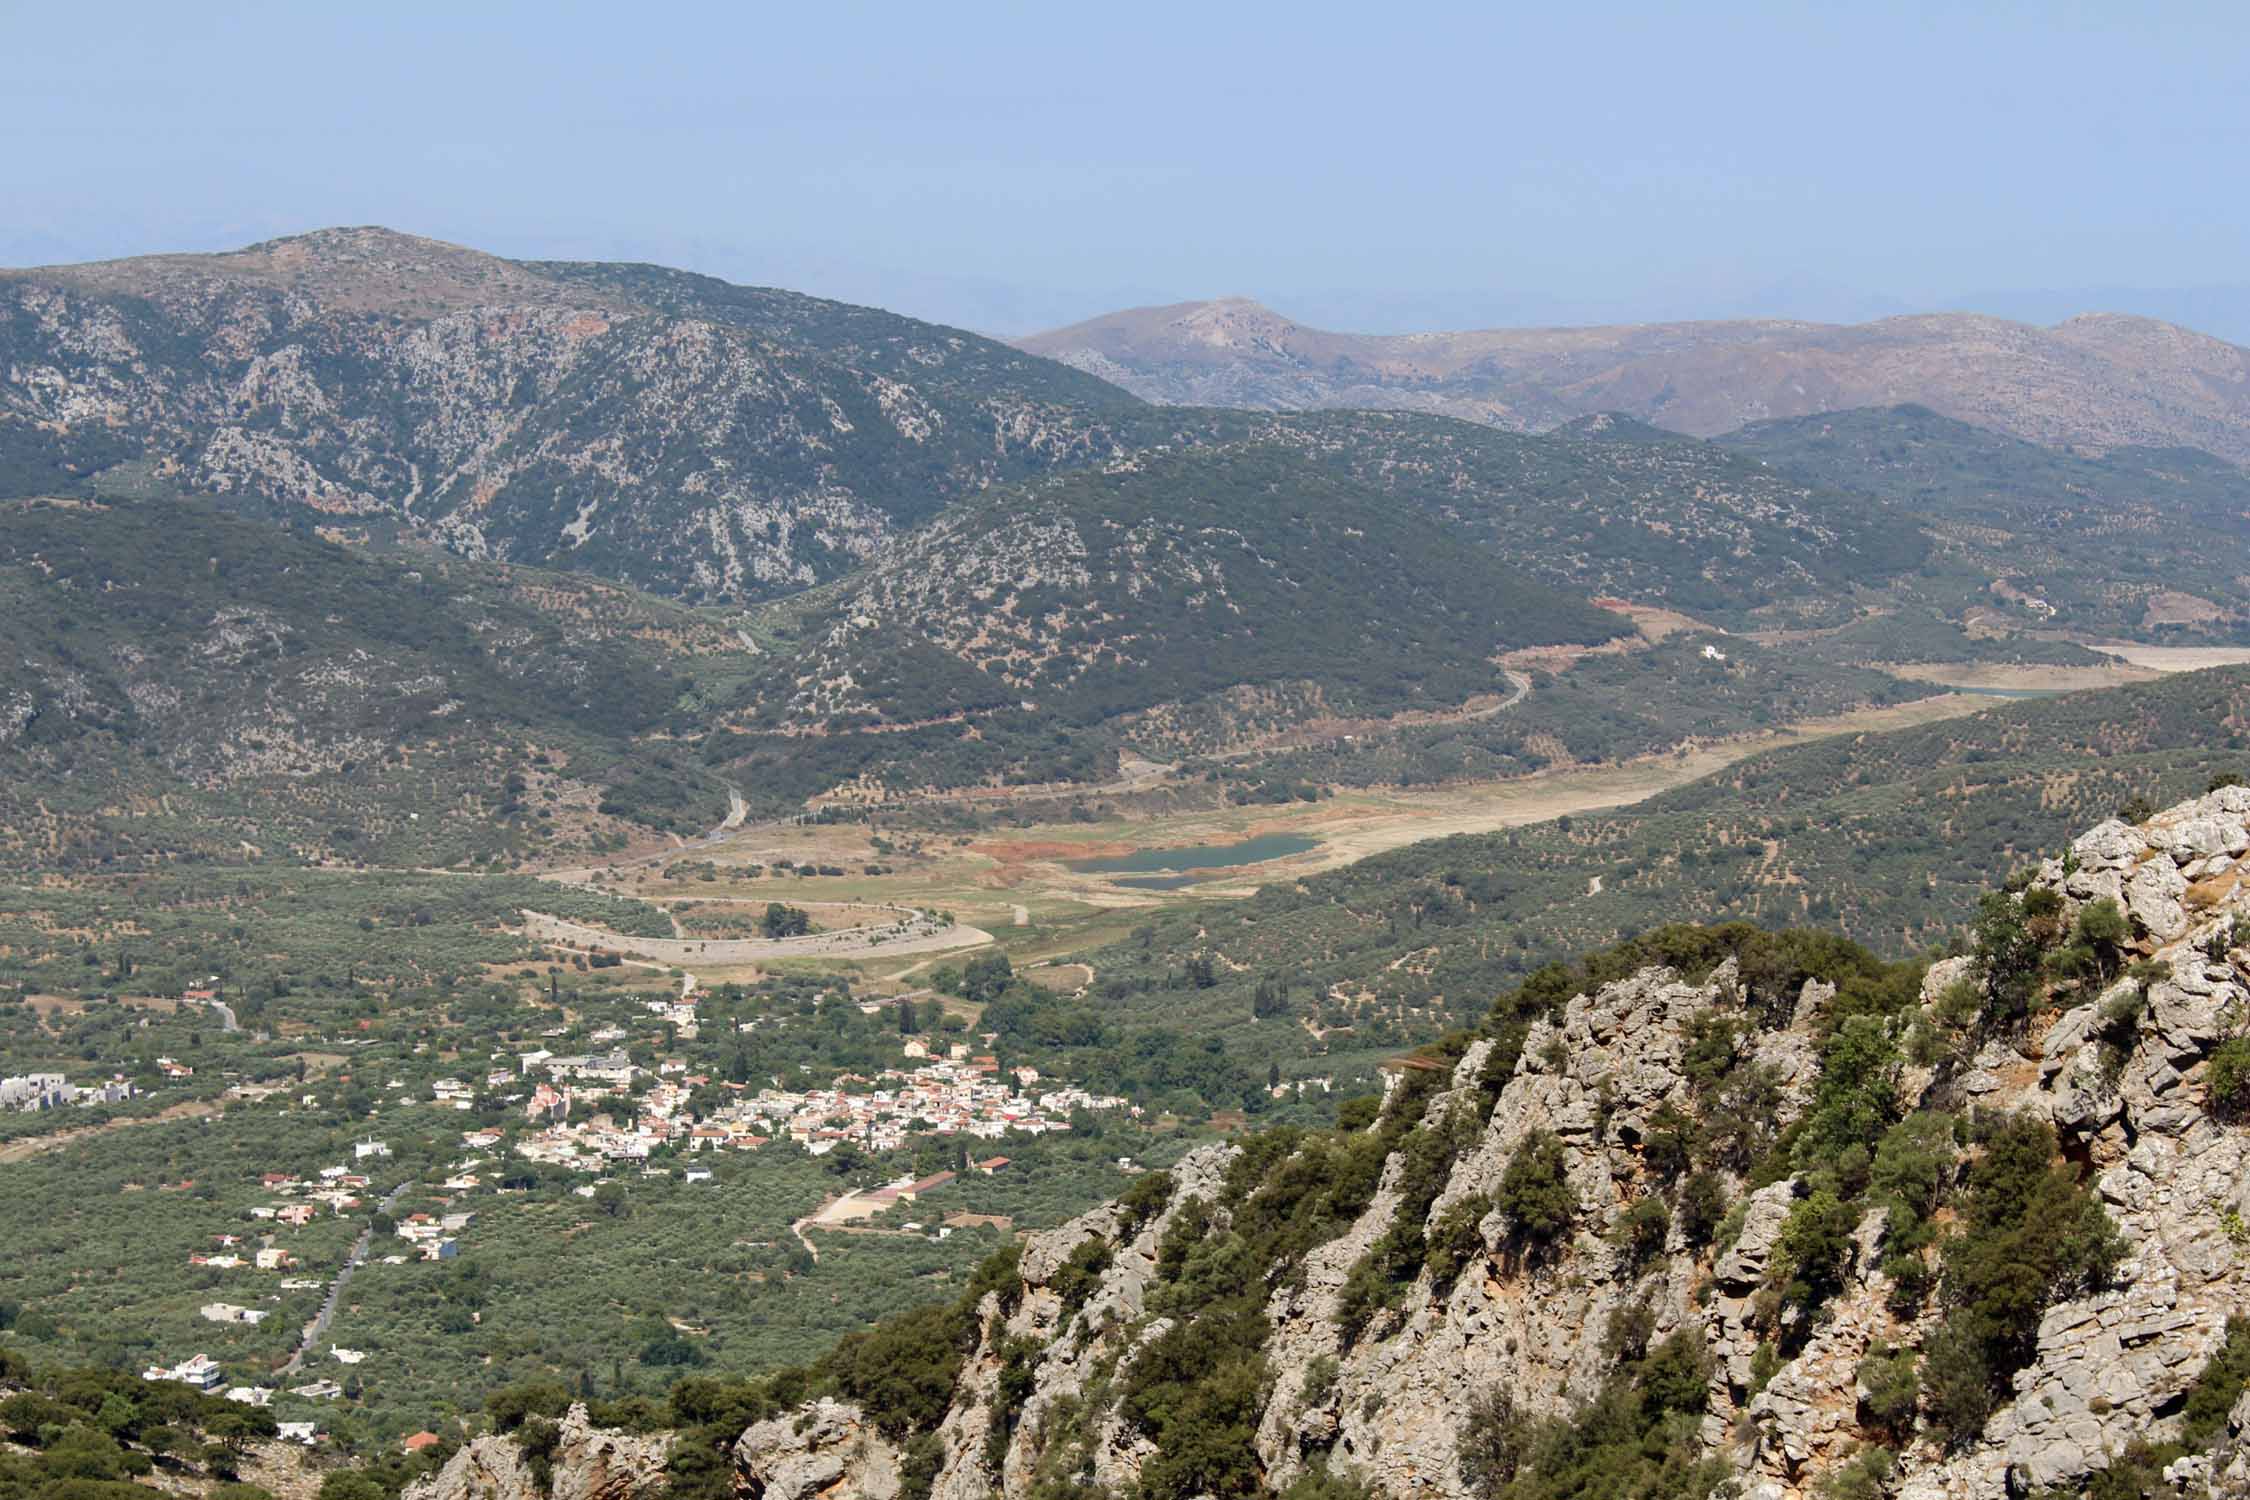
2097 380
665 430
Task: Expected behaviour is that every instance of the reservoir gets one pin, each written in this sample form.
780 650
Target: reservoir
1168 869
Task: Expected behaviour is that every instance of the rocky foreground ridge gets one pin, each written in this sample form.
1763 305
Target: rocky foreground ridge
1526 1295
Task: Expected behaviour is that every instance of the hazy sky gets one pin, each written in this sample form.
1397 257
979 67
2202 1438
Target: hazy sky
1369 166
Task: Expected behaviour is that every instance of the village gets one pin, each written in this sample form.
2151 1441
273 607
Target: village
595 1112
580 1128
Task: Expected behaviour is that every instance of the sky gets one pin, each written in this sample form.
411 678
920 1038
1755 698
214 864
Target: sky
1364 167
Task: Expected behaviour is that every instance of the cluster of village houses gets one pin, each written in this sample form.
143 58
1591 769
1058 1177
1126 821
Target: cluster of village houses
595 1109
29 1091
958 1094
337 1189
203 1373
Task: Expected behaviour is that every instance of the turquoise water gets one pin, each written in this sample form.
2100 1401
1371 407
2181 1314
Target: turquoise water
1168 869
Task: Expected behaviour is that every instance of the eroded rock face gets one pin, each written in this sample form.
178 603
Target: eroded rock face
594 1464
2120 1077
590 1463
827 1448
486 1468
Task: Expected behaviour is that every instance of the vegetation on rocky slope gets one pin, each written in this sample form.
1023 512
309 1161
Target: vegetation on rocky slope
1750 1171
670 430
180 682
2110 543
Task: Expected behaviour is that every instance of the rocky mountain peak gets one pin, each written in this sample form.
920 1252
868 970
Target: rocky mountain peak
584 1462
357 269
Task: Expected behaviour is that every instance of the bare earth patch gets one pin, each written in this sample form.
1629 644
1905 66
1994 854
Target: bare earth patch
2005 677
2175 658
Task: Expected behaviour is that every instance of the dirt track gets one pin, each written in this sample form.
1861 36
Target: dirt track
915 935
26 1147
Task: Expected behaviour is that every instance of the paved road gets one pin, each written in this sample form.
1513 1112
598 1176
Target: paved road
352 1262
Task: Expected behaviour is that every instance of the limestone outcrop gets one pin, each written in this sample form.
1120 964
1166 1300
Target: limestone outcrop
829 1448
588 1463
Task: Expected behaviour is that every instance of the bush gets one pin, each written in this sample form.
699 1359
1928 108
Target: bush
1494 1442
1535 1193
2204 1421
2226 1079
1703 1206
2030 1235
1457 1240
1893 1389
511 1406
1912 1163
1645 1226
1864 1476
1856 1098
1809 1265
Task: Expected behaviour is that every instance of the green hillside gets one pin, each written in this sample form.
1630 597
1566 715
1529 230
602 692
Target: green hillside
2102 540
176 681
1606 511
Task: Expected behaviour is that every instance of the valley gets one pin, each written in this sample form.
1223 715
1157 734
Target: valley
678 830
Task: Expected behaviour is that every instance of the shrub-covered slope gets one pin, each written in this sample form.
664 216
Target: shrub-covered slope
1326 565
1169 578
174 680
670 430
1887 838
2143 541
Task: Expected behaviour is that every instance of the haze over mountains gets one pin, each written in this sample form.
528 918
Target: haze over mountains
930 561
2095 380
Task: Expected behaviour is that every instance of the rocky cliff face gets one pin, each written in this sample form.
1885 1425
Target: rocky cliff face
671 430
1390 1399
586 1463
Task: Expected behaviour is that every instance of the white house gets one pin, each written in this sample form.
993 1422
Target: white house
200 1371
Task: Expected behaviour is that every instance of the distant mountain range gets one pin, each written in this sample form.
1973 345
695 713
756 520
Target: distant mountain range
2095 381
